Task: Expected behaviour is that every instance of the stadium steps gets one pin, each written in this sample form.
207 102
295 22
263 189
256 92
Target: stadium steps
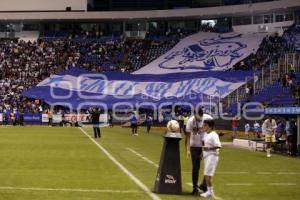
273 95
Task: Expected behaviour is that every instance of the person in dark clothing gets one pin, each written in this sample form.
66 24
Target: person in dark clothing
95 115
148 123
21 118
110 120
181 123
294 140
133 122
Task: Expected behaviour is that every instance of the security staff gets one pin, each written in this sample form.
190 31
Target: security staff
95 115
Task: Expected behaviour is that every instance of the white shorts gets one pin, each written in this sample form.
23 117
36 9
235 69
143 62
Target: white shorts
210 164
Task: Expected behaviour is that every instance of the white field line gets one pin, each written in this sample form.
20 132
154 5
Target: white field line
282 184
184 172
68 190
227 143
250 184
222 172
264 173
233 172
288 173
217 172
143 157
238 184
214 197
125 170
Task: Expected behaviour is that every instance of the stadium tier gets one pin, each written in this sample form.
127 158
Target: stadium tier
204 52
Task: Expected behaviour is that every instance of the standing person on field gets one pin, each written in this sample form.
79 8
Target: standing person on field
50 117
211 148
268 129
149 123
247 129
134 124
291 132
181 122
193 143
95 115
280 130
110 120
256 128
234 125
185 120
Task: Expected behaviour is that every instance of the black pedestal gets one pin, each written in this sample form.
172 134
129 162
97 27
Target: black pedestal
168 178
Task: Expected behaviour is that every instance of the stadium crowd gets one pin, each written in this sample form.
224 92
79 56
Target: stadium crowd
24 64
271 48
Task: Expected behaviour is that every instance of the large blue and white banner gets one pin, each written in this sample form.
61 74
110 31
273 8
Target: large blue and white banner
205 51
78 87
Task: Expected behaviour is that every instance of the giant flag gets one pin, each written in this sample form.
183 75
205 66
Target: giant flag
205 51
80 88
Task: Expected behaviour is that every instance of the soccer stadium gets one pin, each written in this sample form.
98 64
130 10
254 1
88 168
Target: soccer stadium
147 99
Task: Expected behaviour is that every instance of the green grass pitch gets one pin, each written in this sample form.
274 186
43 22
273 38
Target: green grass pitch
51 163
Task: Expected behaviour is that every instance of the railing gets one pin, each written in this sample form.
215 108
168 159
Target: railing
265 77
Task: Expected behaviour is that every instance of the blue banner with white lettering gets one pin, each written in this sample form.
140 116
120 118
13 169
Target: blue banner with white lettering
78 88
282 111
32 118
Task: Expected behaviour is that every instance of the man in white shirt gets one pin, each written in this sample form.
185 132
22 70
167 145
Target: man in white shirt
268 130
193 143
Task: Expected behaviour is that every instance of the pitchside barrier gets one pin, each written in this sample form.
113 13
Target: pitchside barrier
31 118
250 144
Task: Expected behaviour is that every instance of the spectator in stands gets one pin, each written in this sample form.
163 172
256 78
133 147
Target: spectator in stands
286 79
251 90
247 92
291 68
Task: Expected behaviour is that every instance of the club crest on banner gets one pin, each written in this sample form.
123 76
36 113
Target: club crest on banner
206 54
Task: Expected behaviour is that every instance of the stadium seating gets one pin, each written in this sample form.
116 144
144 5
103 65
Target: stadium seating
110 53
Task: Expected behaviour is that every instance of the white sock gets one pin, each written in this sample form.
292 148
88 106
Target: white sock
210 190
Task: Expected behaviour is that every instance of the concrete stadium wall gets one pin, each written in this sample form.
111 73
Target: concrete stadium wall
236 10
270 27
23 35
41 5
